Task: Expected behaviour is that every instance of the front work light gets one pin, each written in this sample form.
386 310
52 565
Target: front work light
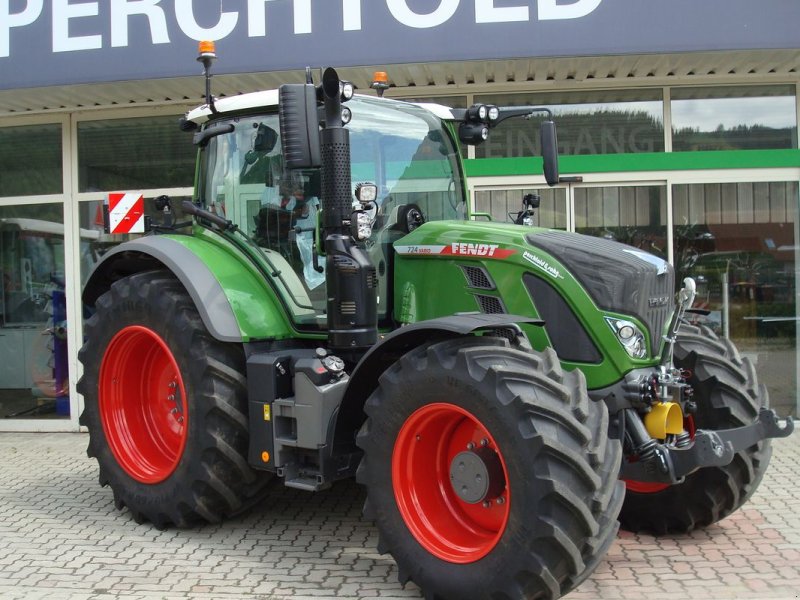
366 192
473 133
361 225
347 90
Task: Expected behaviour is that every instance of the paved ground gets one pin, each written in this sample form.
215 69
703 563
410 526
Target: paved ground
60 537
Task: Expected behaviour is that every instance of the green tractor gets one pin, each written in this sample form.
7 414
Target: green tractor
495 387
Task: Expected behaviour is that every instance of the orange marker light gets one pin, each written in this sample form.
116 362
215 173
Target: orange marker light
380 82
265 456
207 47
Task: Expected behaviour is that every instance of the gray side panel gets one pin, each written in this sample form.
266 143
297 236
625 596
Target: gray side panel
196 277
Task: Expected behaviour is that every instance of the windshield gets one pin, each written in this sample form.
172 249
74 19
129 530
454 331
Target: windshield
402 148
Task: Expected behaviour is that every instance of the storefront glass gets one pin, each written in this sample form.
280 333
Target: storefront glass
34 377
504 205
134 154
634 215
91 223
739 242
734 118
591 122
30 160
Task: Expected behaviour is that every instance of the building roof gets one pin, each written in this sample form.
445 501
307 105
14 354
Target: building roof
435 79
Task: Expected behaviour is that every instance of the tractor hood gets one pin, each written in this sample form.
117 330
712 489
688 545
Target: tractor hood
573 281
618 277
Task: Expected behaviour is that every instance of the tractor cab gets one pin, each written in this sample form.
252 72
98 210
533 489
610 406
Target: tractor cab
406 150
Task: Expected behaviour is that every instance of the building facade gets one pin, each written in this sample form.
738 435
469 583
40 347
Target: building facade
678 133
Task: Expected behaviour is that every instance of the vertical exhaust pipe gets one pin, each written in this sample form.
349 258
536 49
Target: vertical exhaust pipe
350 275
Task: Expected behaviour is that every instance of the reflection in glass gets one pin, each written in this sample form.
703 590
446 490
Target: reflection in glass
594 122
30 160
503 205
95 242
734 118
34 380
633 215
134 154
738 241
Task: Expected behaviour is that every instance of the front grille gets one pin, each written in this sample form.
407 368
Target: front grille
618 277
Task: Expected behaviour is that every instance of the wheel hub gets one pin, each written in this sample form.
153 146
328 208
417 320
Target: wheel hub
477 475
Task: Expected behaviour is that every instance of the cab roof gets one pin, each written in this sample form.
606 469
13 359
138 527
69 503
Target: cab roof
268 99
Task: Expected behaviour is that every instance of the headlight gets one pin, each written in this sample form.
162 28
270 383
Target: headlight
630 336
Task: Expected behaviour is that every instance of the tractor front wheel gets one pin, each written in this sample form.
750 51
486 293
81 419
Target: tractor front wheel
166 406
728 395
489 472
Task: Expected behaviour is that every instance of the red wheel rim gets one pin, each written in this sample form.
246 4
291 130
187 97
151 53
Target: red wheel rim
442 522
646 487
143 404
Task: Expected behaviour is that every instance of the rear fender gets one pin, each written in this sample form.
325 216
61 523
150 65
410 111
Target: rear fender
235 302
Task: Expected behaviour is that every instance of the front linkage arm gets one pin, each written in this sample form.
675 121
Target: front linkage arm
709 449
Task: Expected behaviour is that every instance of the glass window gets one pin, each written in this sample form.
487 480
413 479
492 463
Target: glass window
30 160
34 369
504 205
633 215
733 118
95 242
738 241
594 122
134 154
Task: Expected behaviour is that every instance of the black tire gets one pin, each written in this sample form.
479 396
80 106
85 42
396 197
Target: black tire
728 395
178 466
560 470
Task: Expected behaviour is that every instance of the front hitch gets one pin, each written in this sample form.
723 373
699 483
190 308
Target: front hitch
708 449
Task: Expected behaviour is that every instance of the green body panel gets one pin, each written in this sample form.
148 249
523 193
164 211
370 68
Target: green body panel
429 283
252 299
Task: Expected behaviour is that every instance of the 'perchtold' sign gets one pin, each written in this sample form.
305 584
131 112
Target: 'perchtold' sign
47 42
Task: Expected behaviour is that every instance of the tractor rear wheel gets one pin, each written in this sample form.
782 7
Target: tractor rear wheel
166 406
728 395
489 472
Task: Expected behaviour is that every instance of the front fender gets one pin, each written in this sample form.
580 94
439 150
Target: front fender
235 302
392 346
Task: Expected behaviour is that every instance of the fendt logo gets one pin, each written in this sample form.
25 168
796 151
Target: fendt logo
466 249
459 249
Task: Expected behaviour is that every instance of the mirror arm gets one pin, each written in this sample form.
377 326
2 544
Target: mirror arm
526 112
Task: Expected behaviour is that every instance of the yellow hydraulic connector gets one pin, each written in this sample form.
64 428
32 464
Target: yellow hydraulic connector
664 418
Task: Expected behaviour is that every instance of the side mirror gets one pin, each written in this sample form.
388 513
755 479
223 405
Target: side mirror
549 152
299 121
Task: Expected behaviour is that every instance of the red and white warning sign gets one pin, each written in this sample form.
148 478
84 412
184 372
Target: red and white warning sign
125 213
